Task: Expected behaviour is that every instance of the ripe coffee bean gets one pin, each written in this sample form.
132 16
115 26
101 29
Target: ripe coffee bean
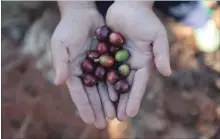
102 48
89 80
112 76
106 61
116 39
100 73
124 70
87 66
113 49
93 55
122 86
122 55
102 33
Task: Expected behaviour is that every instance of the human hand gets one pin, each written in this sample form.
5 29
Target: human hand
70 41
146 39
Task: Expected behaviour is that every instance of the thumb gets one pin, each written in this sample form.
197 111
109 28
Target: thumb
60 61
161 55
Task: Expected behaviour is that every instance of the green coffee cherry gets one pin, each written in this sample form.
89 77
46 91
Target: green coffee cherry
124 70
122 55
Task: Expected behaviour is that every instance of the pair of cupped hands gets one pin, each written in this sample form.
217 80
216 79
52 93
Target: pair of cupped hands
146 40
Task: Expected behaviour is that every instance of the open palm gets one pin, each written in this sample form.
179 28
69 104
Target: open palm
70 41
146 39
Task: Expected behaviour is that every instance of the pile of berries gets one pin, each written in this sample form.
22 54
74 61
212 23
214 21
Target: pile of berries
106 62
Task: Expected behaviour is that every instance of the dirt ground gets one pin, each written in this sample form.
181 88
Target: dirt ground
185 105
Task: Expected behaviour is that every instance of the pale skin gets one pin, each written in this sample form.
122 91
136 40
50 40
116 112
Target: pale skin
72 38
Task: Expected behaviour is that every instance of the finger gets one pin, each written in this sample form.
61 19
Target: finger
109 108
44 62
121 109
112 93
161 55
80 99
137 90
94 99
60 61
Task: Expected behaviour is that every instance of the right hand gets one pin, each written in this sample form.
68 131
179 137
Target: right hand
70 41
146 39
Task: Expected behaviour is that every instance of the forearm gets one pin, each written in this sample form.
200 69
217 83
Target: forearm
137 3
70 6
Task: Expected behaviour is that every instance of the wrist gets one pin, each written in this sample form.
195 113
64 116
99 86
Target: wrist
148 4
69 7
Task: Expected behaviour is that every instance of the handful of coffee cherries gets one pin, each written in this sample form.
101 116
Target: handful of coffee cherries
106 62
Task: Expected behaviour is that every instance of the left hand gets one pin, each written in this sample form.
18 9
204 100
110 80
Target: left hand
146 39
71 40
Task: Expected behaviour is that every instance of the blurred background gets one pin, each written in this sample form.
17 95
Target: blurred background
185 105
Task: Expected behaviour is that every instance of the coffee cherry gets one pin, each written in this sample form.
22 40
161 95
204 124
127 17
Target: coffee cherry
93 55
113 49
102 48
102 33
122 86
87 66
112 76
89 80
124 70
106 61
100 73
122 55
116 39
